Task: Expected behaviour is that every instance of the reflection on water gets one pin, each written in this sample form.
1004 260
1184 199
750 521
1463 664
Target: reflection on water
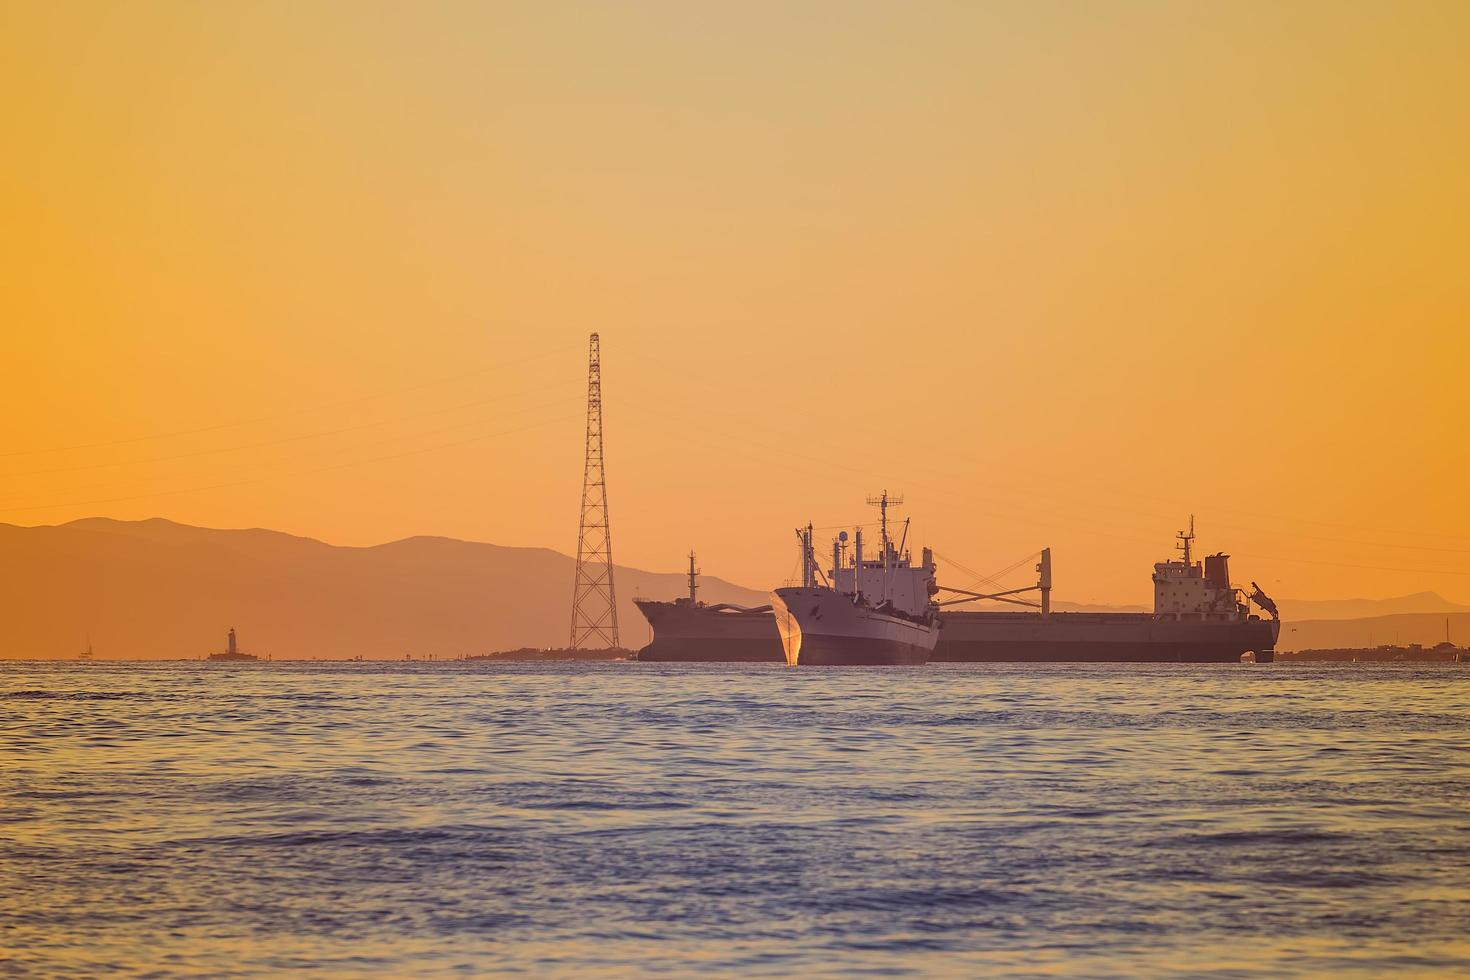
617 818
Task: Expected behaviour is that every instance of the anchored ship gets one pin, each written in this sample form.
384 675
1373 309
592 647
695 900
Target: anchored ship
1199 617
872 611
690 631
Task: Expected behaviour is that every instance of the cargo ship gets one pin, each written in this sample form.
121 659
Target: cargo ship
1199 617
869 612
686 630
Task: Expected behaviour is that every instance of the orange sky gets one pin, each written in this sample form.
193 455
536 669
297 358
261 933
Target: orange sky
1060 273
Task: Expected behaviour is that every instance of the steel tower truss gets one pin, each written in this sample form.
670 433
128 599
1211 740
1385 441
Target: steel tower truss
594 602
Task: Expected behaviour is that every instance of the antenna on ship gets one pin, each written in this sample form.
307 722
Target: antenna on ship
1186 542
693 578
594 603
883 502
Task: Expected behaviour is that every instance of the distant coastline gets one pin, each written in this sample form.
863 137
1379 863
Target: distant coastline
561 653
1413 653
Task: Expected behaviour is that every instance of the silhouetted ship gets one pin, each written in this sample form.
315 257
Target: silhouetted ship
869 612
689 631
232 652
1198 617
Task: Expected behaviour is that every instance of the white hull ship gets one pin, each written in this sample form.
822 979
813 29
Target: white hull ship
870 611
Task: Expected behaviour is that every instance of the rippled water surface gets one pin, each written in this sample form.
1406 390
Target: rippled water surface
635 818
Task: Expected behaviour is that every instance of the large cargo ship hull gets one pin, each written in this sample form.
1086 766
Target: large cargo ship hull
1003 637
847 651
685 632
712 634
825 628
694 650
698 636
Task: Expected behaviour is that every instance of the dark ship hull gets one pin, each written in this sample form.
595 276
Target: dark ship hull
685 632
847 651
1061 637
697 635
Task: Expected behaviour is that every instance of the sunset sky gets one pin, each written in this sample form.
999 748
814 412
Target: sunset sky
1060 273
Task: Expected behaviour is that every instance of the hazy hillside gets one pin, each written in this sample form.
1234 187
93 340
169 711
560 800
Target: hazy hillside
159 589
1420 602
1426 629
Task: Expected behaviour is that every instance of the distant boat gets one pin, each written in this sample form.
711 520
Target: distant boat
87 653
231 652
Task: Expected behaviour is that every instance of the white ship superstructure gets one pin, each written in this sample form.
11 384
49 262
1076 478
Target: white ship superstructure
867 611
1200 591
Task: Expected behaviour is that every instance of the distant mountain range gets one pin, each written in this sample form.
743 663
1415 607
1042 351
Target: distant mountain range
1425 629
157 589
1419 602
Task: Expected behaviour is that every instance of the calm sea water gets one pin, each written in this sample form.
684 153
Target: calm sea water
618 819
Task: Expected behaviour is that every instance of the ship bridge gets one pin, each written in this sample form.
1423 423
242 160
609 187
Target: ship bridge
1186 589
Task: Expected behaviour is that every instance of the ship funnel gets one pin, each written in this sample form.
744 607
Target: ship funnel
1217 571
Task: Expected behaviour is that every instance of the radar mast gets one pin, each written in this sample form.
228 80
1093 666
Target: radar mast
1186 542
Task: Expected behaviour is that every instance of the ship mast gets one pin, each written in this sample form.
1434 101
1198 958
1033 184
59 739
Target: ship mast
883 502
1186 541
808 558
693 579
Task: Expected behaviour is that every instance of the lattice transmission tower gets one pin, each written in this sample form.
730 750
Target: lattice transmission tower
594 603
